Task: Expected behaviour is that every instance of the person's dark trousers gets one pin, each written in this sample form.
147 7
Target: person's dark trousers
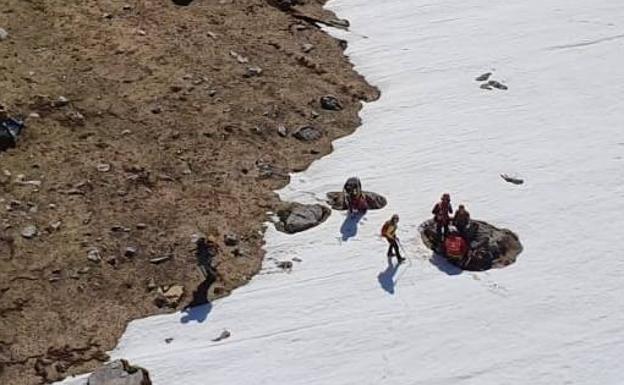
393 248
439 227
462 231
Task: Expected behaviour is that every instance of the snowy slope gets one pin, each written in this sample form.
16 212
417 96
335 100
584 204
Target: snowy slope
555 317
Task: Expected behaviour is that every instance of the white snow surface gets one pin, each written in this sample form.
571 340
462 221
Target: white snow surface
554 317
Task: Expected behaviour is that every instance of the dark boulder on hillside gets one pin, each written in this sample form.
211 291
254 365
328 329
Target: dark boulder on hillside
489 247
297 217
374 201
119 372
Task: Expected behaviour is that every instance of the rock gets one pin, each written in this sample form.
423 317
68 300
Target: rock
84 270
282 131
159 260
498 85
330 103
484 77
511 179
169 296
151 284
253 71
94 255
374 201
338 23
119 372
29 232
297 259
285 265
230 240
112 260
298 217
141 226
307 47
169 340
3 34
54 226
485 86
34 115
490 247
103 167
61 101
130 252
224 334
308 133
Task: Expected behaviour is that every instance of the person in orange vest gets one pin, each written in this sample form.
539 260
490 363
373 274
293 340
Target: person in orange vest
388 231
441 212
461 220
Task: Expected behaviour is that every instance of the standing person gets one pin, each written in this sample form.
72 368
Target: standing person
388 231
461 220
441 212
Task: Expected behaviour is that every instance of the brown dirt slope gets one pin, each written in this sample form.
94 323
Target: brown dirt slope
164 134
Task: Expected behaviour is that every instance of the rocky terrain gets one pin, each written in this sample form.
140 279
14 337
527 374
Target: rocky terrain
148 124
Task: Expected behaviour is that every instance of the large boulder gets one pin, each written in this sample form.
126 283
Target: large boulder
336 200
119 372
297 217
489 246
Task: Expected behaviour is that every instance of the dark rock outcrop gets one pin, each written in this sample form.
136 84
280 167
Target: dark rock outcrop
297 217
119 372
374 201
308 133
489 246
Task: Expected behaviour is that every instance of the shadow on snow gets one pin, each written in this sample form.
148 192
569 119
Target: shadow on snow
386 277
349 227
444 265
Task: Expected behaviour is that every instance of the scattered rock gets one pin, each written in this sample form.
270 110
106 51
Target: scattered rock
3 34
496 84
282 131
103 167
330 103
239 58
374 201
29 232
224 334
511 179
84 270
168 340
119 372
169 296
484 77
285 265
112 260
485 86
338 23
307 47
94 255
308 133
54 226
230 240
141 226
298 217
61 101
130 252
151 284
158 260
253 71
297 259
120 229
10 130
